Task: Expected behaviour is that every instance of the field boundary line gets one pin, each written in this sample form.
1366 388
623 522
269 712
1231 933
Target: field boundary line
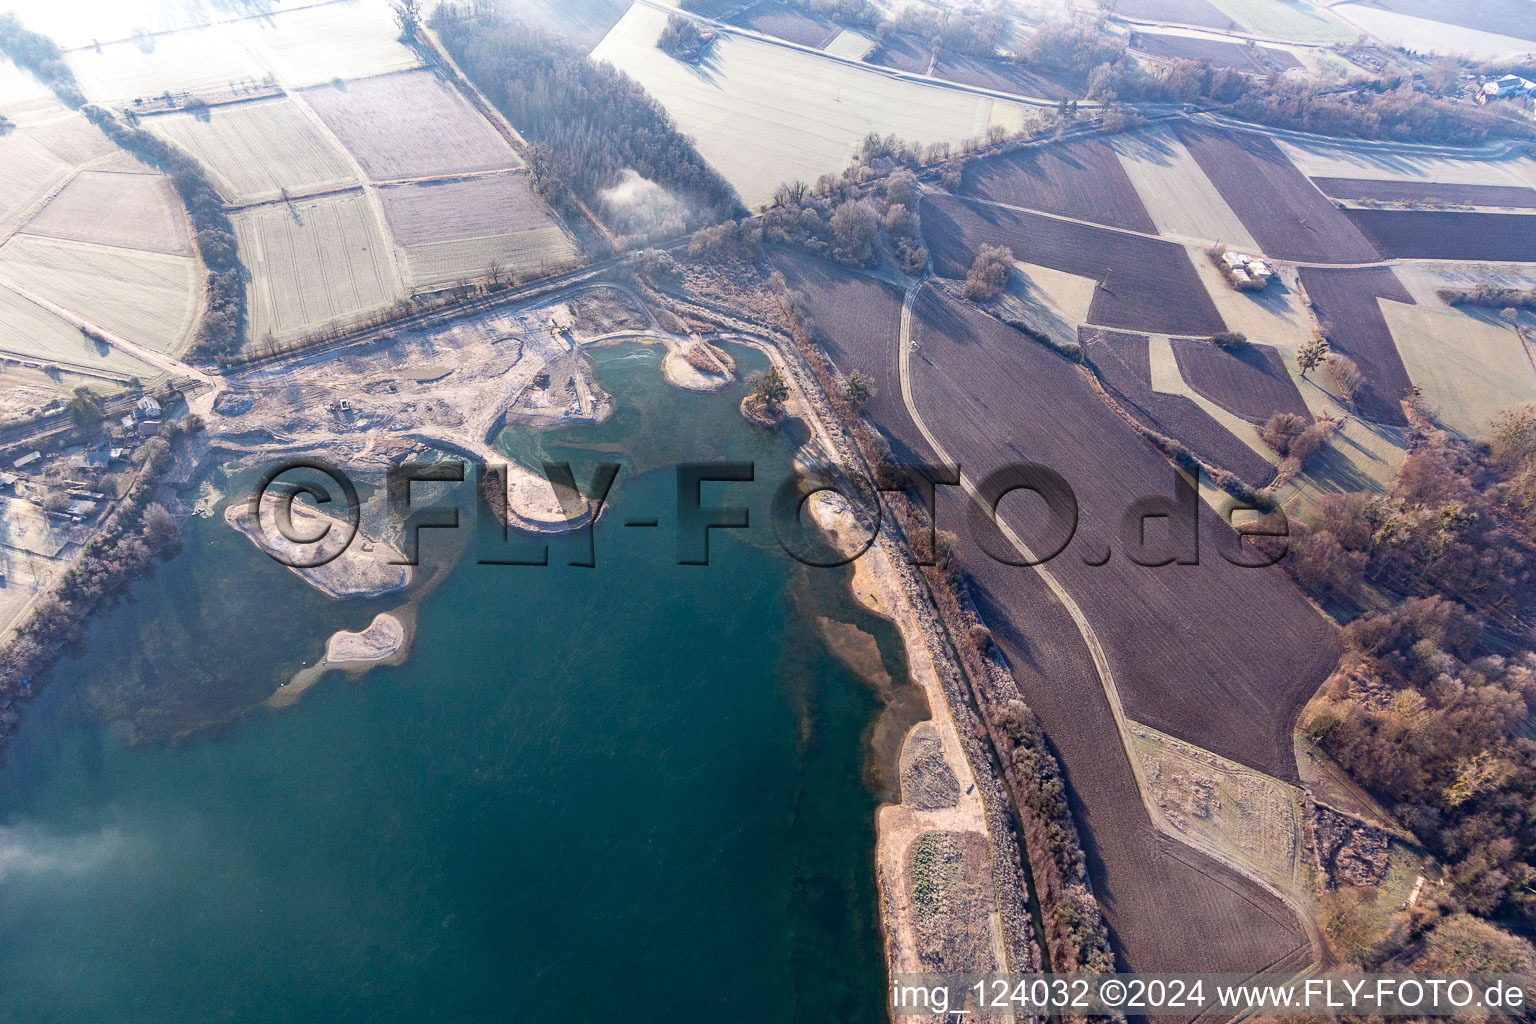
370 190
1088 634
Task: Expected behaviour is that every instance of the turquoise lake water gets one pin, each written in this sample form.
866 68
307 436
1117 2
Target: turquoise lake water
635 789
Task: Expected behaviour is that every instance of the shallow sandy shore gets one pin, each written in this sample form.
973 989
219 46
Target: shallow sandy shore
877 586
386 641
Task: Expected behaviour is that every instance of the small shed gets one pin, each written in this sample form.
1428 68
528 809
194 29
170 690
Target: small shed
90 460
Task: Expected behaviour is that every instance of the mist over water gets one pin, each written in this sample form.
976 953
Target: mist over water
634 789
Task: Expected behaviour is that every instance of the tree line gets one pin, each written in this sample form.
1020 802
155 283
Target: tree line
587 121
1396 107
1429 710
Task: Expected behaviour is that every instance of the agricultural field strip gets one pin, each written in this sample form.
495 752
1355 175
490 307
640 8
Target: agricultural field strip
1416 33
1139 375
314 278
149 297
1385 190
370 191
1084 626
1286 806
1449 236
121 209
258 150
51 168
1317 264
410 124
1177 195
1167 379
770 114
1486 151
1489 369
890 72
162 362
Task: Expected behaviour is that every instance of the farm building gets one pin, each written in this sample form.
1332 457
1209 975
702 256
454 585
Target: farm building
90 460
147 409
1247 268
1506 87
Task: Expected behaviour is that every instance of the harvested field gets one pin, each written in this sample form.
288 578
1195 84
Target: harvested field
448 211
585 22
1471 365
146 297
134 211
319 263
1145 284
1504 17
1323 158
1427 35
1498 17
1297 22
1449 235
1215 52
1124 365
29 169
854 314
1345 301
1192 647
35 158
1142 881
1252 382
850 44
782 21
1379 191
74 140
763 114
410 125
254 150
345 39
904 53
1181 12
31 332
1282 210
1081 178
1175 192
459 229
1005 76
1048 301
436 264
1228 810
195 60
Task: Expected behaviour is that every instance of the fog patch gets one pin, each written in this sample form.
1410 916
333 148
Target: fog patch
642 210
26 850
